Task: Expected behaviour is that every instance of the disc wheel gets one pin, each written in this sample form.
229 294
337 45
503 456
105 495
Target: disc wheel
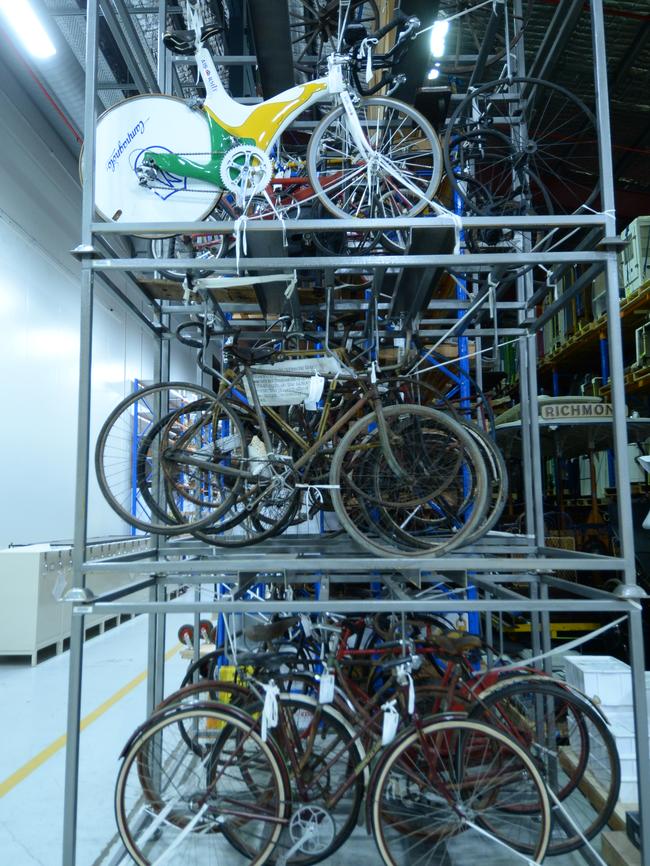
401 175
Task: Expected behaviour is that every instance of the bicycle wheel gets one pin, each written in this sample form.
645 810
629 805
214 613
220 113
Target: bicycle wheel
442 794
176 804
184 487
572 747
401 176
424 441
522 145
263 506
314 28
497 476
322 751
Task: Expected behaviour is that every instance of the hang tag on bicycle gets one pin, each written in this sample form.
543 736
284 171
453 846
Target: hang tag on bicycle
326 688
316 385
270 711
305 622
390 723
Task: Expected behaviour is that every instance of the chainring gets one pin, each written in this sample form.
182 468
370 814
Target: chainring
246 170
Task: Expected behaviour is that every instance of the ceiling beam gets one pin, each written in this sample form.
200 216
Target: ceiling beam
636 46
555 39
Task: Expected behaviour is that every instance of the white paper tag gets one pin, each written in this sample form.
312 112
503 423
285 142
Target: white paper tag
305 622
270 710
258 463
390 723
303 719
229 443
316 385
326 688
288 391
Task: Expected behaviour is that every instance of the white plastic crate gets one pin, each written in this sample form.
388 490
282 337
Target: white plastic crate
629 792
636 254
600 677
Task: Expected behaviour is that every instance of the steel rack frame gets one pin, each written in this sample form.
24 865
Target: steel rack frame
511 572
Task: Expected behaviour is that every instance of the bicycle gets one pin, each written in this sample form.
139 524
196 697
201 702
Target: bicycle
160 158
210 480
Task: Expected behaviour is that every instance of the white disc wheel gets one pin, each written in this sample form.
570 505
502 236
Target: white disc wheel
161 124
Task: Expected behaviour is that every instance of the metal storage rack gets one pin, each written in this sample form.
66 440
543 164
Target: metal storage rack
497 561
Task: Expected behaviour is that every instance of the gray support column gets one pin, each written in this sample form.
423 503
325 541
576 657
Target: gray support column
526 457
624 505
83 448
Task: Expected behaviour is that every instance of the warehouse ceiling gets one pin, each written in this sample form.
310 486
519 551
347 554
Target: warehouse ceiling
556 42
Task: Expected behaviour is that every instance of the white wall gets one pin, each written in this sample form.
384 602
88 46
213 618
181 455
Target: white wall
39 348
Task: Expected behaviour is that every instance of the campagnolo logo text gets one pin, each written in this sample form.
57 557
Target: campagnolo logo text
138 129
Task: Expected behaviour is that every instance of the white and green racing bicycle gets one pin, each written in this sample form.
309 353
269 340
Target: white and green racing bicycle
164 159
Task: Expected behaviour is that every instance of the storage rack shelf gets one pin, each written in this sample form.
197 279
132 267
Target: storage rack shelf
512 572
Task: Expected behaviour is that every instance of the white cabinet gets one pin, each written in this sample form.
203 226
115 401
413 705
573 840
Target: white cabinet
33 579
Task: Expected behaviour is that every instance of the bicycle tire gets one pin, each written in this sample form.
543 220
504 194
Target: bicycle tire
317 163
122 496
445 815
148 814
473 454
506 704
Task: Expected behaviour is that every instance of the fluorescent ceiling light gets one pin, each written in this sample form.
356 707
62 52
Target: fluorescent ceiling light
438 33
433 74
28 28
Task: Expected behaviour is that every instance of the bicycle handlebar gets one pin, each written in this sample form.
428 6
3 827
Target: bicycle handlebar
399 18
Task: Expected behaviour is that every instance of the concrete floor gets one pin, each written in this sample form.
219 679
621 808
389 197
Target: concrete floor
34 702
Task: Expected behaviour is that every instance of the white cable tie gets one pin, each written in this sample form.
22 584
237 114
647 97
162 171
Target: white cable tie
320 486
365 50
290 289
240 238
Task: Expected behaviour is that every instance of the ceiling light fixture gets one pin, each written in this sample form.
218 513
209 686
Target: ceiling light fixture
433 74
28 28
438 33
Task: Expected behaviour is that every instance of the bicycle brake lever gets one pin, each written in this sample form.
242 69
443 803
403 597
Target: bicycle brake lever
398 80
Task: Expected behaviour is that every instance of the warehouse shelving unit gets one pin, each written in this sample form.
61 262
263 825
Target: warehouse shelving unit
511 572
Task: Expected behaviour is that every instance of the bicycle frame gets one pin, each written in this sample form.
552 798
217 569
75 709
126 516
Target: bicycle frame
230 123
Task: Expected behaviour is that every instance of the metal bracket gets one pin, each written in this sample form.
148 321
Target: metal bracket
85 251
612 243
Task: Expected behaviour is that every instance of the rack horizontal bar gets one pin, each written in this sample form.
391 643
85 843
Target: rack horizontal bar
469 262
353 605
352 224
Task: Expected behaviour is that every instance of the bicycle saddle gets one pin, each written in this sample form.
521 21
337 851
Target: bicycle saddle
456 643
182 41
270 631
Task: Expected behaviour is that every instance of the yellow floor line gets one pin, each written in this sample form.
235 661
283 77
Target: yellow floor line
38 760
